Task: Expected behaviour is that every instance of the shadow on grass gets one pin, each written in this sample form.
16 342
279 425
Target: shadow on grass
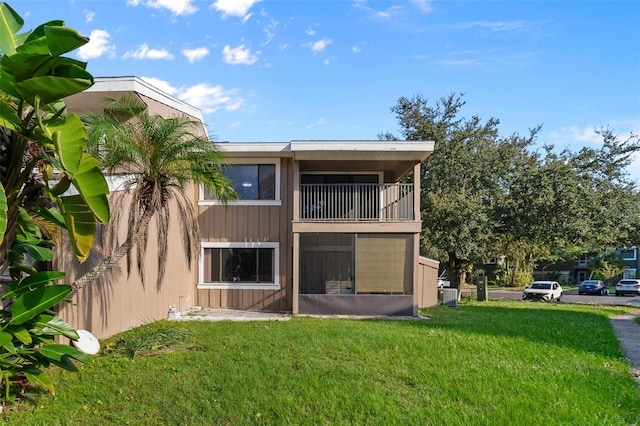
571 326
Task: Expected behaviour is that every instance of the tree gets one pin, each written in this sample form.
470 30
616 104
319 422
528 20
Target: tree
159 157
42 154
460 181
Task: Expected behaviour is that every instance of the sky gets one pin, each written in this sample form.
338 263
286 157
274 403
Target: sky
275 70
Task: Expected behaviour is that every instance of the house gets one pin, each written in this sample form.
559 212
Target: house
320 227
631 262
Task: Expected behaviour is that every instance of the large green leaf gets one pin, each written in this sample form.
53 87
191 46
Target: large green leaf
36 252
58 352
32 281
3 213
52 215
20 333
69 138
63 39
80 222
53 325
33 303
51 88
38 376
93 187
8 116
10 24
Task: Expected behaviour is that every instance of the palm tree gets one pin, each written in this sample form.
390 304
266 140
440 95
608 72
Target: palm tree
157 157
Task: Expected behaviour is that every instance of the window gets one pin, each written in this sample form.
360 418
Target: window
629 273
629 254
255 181
239 266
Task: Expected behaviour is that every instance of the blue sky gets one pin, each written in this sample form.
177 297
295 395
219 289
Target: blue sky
282 70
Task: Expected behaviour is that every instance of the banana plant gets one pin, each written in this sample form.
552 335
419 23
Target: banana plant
49 181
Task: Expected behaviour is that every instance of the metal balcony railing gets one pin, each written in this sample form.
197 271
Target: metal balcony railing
391 202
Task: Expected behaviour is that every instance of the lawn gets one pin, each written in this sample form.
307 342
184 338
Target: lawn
482 363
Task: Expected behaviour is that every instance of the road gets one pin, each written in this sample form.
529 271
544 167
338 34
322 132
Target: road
570 296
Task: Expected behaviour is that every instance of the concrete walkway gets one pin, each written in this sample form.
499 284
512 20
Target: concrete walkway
628 333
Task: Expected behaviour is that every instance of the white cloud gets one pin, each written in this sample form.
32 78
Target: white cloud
176 7
319 122
203 96
237 8
88 16
270 30
194 55
320 45
423 5
161 84
493 26
328 61
380 15
573 134
211 98
143 52
98 45
310 32
355 49
238 55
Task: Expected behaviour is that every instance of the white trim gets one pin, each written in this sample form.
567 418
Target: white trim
138 85
202 285
277 201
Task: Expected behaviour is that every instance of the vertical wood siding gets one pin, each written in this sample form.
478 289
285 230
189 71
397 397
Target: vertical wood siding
237 223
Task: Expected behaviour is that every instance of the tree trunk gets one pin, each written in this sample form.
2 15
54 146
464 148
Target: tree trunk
514 273
108 262
457 273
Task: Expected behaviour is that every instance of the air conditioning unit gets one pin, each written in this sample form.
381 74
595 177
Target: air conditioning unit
449 296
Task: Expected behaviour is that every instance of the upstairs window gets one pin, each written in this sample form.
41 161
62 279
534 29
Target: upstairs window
255 182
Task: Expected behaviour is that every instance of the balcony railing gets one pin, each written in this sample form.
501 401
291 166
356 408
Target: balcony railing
356 202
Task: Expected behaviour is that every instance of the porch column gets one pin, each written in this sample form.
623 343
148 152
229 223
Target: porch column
296 273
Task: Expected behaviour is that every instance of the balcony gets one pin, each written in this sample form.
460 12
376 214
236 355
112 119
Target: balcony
389 202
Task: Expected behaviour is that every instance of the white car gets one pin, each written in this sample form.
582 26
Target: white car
543 290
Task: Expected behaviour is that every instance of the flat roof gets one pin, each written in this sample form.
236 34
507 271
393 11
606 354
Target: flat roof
334 149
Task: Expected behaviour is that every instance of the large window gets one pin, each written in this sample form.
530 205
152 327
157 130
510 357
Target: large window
255 181
239 265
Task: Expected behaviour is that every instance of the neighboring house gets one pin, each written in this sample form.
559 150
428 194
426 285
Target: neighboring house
321 227
631 261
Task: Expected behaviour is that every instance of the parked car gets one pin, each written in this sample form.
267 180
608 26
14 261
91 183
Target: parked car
593 287
628 286
543 290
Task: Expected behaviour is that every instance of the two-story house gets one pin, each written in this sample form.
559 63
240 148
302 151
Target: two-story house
322 227
327 227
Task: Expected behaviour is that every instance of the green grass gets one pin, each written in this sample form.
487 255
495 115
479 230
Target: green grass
483 363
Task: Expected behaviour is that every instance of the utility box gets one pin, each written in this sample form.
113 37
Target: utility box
483 292
449 296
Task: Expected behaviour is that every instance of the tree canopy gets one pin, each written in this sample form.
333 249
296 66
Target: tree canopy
485 195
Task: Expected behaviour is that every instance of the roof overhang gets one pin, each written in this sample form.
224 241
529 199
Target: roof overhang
92 99
396 158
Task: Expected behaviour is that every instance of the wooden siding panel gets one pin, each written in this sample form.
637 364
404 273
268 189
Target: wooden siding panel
258 223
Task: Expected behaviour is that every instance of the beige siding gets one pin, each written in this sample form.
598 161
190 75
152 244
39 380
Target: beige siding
427 289
246 223
117 302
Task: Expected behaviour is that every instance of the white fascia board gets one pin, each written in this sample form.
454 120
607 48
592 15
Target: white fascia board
137 85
